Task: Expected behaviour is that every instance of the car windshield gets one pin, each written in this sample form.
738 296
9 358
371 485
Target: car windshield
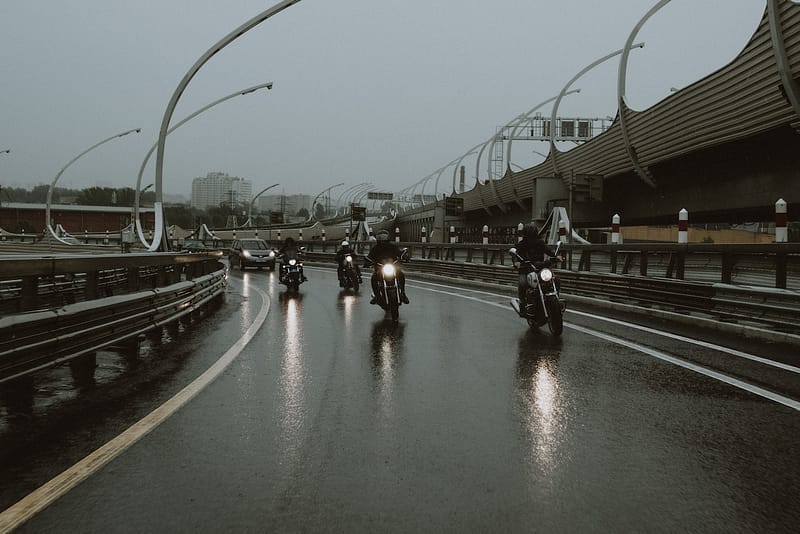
254 245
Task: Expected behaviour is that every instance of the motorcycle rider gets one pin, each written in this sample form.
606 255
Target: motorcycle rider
382 251
343 251
289 251
532 248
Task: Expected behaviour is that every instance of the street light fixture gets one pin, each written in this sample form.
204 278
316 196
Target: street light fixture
152 246
176 95
250 211
6 151
314 203
55 180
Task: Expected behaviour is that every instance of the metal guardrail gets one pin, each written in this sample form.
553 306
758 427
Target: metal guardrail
679 277
109 299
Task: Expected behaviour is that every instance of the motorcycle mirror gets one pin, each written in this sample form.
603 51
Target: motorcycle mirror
404 254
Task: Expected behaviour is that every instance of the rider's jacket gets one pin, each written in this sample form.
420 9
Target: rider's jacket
382 251
533 250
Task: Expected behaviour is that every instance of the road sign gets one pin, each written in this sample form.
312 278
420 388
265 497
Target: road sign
359 213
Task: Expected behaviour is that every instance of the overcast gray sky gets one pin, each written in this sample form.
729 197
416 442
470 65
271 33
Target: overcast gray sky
382 91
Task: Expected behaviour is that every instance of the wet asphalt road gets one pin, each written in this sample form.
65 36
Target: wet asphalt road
456 419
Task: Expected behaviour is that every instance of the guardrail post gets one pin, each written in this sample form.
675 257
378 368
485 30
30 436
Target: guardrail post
29 292
615 229
105 239
780 270
92 285
396 234
781 232
424 235
728 262
520 226
485 238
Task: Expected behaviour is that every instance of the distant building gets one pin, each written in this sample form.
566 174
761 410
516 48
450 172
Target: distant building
289 204
218 188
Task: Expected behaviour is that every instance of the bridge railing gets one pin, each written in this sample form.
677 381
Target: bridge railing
57 308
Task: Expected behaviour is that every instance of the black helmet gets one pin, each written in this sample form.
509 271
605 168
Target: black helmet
289 242
530 231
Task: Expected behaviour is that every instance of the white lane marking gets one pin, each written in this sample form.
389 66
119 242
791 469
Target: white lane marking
720 348
700 343
41 498
786 401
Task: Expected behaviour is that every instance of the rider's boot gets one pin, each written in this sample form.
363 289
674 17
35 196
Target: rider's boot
403 297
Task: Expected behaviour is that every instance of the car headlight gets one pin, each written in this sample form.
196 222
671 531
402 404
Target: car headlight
271 253
388 270
293 262
546 275
246 254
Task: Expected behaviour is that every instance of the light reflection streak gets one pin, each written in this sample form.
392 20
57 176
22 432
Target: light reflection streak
387 346
292 379
541 405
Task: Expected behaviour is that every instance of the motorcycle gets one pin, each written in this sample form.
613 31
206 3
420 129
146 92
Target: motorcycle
291 274
350 277
542 302
388 296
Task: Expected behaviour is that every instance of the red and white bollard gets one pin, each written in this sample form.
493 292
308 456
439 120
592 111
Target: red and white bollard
323 235
347 234
371 235
781 230
520 226
105 239
424 235
452 234
256 233
396 234
615 229
562 231
301 234
485 234
683 226
279 234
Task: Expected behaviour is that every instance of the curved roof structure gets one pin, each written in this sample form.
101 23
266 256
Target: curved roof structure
754 93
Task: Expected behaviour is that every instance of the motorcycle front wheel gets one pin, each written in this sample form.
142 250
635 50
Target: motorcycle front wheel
555 320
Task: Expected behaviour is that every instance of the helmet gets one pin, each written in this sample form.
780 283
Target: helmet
530 231
383 235
345 243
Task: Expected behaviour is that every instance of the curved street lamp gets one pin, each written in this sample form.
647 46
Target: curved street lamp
250 212
162 134
64 168
138 222
6 151
311 216
563 92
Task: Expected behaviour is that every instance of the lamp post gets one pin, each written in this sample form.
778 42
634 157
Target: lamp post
563 92
314 202
176 95
73 160
6 151
247 91
250 211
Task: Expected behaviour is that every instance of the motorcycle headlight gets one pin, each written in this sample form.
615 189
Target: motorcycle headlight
348 259
546 275
271 253
388 270
292 262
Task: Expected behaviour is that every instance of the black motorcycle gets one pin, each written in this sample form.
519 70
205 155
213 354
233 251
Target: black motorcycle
350 277
291 274
388 296
542 302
